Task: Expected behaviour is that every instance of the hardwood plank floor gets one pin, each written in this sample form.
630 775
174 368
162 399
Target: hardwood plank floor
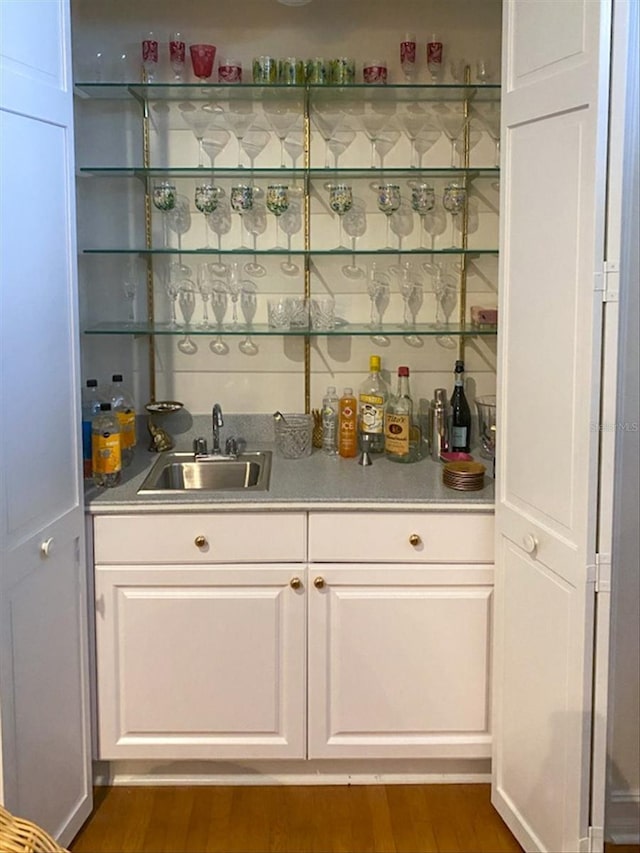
289 819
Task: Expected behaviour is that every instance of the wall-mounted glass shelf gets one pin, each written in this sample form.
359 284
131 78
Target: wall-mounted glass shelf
294 174
300 252
342 329
391 93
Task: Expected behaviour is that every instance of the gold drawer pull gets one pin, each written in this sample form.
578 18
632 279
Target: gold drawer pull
200 541
295 583
318 582
415 540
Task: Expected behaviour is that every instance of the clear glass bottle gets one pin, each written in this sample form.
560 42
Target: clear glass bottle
402 437
105 448
372 400
123 407
460 436
90 408
347 424
330 422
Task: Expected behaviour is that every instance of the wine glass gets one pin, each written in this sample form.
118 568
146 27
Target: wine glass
198 120
453 201
240 117
241 199
219 303
339 143
214 143
452 122
354 224
423 200
388 200
340 201
402 223
206 201
248 305
255 221
277 202
384 142
291 223
164 199
179 220
253 143
220 223
177 53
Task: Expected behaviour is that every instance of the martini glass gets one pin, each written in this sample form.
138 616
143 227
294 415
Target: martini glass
253 143
340 201
206 201
255 221
219 301
240 118
164 199
282 120
425 141
372 124
339 143
388 200
413 122
294 146
327 121
220 223
214 143
384 142
290 224
490 118
277 202
198 120
452 122
354 224
423 200
453 201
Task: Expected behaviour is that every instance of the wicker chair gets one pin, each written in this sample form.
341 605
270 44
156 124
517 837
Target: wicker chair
22 836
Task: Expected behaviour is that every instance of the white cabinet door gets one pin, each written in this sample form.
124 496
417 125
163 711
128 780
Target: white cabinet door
399 661
200 662
554 136
46 771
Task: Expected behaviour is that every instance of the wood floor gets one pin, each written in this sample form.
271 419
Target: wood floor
309 819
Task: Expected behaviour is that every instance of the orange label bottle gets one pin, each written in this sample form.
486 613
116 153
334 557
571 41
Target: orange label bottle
348 424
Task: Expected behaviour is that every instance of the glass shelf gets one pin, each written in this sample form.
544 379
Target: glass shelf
279 172
265 253
261 329
391 93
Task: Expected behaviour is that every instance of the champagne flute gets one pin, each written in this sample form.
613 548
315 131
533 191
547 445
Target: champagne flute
177 53
388 199
277 202
248 305
423 200
150 57
340 201
453 201
206 201
233 285
219 305
379 292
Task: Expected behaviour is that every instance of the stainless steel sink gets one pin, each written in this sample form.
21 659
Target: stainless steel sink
182 472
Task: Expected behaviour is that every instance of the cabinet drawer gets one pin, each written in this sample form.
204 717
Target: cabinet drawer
200 538
389 537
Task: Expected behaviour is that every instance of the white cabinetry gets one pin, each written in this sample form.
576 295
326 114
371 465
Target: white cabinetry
399 653
198 657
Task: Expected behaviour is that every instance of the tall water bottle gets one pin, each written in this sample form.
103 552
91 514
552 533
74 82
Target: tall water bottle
90 408
330 422
124 409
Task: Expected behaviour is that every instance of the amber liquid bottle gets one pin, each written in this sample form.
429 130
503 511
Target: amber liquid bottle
347 424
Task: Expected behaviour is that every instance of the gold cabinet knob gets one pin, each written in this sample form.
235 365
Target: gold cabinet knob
415 540
295 583
200 541
318 582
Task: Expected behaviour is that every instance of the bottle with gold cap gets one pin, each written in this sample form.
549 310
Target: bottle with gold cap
372 400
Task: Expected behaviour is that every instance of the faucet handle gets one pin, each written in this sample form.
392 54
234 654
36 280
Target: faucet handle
200 446
231 447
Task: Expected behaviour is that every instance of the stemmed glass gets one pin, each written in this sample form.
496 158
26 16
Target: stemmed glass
255 221
219 303
294 146
282 119
379 291
372 124
179 220
327 122
354 224
240 118
149 57
187 303
291 223
413 122
277 202
233 285
164 199
339 143
423 200
130 286
248 304
176 280
253 143
490 117
340 201
241 200
206 201
388 200
198 120
202 59
412 294
402 224
425 140
384 142
177 52
452 122
220 223
453 201
206 286
214 143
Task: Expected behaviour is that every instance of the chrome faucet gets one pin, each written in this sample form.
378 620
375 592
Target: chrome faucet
217 423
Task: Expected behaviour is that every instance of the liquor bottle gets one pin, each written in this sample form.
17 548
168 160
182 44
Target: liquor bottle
460 439
372 399
402 438
347 425
124 409
90 408
330 422
105 447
